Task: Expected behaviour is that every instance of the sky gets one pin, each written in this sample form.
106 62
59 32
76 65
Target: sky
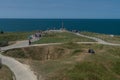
90 9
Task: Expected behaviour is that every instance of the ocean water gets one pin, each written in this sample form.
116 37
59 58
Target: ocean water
107 26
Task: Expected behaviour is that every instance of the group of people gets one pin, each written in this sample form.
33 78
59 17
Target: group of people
35 37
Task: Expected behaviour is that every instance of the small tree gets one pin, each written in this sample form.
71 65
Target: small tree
3 43
1 32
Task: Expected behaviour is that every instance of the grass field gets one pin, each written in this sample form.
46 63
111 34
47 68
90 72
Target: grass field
71 61
108 38
5 73
56 37
14 36
10 37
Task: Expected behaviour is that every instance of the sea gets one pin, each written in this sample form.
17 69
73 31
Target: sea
105 26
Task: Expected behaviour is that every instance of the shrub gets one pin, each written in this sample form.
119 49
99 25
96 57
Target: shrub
3 43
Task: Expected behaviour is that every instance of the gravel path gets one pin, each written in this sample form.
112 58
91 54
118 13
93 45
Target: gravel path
20 71
21 44
100 41
17 44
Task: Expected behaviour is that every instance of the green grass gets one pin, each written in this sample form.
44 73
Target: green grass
14 36
108 38
62 38
116 68
10 37
90 71
5 73
104 65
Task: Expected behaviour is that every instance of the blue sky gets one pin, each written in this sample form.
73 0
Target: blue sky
60 9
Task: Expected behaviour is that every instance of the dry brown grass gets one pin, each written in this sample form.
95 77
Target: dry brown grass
39 53
5 73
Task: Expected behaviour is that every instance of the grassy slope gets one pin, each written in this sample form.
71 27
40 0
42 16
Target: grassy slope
14 36
62 37
115 39
105 65
5 73
72 62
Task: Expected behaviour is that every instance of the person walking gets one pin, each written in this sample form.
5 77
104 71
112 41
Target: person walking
29 41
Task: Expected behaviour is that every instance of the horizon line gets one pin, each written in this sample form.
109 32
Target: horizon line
59 18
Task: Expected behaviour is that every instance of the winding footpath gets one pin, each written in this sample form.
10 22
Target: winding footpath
99 41
20 71
24 73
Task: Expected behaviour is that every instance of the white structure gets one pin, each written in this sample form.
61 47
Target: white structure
111 35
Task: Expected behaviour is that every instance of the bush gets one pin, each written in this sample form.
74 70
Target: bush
0 63
3 43
1 32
